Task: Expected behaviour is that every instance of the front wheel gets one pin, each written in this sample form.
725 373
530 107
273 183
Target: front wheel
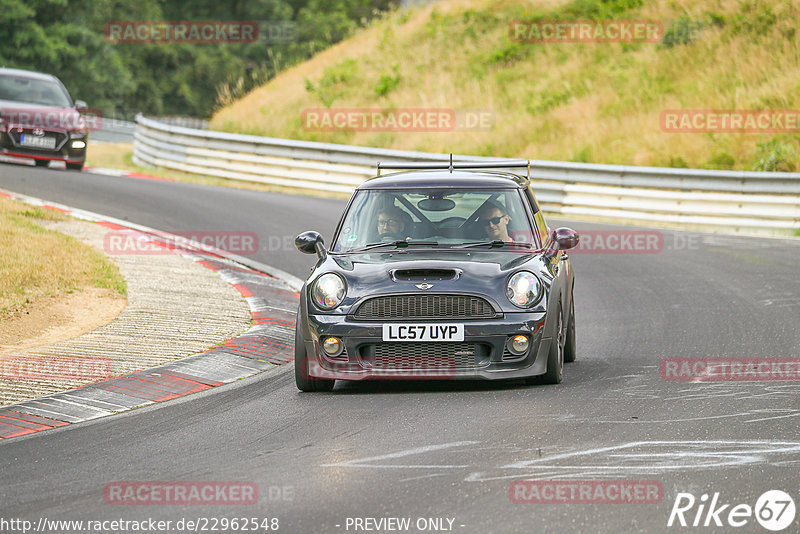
555 356
301 377
570 347
41 162
74 166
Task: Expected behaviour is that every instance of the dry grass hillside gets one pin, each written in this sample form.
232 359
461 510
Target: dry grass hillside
590 102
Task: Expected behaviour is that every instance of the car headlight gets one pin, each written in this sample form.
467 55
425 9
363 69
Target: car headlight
328 291
524 289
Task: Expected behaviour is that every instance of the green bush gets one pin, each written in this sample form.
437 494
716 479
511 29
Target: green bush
722 160
599 9
775 156
388 82
584 155
509 52
333 78
677 162
681 32
548 100
754 18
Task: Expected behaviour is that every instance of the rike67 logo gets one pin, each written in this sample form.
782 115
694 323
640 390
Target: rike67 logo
774 510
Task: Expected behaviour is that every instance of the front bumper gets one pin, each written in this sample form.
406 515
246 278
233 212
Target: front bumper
482 355
10 146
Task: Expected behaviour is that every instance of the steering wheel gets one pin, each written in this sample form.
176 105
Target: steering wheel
452 222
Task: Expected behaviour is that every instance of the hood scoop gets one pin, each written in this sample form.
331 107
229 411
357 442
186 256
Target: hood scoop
424 275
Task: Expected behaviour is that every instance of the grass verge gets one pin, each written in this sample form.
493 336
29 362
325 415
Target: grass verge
36 262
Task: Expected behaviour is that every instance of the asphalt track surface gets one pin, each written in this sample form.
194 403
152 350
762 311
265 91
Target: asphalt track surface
451 450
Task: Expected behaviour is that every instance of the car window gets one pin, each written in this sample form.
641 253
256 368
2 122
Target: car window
538 217
33 91
450 218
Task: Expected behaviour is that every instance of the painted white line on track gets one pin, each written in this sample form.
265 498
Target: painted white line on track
362 462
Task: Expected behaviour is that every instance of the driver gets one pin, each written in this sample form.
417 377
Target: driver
391 224
494 221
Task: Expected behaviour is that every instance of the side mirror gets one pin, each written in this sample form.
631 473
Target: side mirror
566 238
80 105
561 239
311 242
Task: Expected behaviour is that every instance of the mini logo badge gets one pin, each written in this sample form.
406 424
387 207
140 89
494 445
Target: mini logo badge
424 286
38 131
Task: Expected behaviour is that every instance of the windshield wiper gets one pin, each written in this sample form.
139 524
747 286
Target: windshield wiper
495 244
400 243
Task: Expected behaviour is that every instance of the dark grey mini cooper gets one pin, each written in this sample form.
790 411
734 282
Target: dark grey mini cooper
446 271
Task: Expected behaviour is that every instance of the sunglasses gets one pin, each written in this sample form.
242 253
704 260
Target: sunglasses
384 222
493 221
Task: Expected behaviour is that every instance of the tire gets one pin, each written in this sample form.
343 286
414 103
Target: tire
570 346
301 378
41 162
555 357
74 166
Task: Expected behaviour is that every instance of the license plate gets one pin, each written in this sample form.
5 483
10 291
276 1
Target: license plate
38 142
423 332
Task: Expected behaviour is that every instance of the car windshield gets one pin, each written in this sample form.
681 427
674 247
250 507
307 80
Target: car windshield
424 218
33 91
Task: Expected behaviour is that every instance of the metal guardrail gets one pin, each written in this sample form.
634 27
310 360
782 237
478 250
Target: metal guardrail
114 131
760 202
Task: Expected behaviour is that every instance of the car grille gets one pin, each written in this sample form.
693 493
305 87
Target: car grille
425 307
432 357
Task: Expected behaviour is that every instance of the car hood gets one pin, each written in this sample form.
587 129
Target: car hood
27 115
483 272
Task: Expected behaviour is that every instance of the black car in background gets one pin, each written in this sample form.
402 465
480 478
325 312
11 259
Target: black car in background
446 271
39 120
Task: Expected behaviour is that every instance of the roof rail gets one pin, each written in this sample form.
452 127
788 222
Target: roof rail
451 165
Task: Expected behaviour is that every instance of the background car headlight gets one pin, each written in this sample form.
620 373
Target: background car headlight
328 291
524 289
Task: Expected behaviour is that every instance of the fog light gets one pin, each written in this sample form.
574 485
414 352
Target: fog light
519 344
78 144
332 346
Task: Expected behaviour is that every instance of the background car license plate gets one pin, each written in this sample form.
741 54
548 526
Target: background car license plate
423 332
38 142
